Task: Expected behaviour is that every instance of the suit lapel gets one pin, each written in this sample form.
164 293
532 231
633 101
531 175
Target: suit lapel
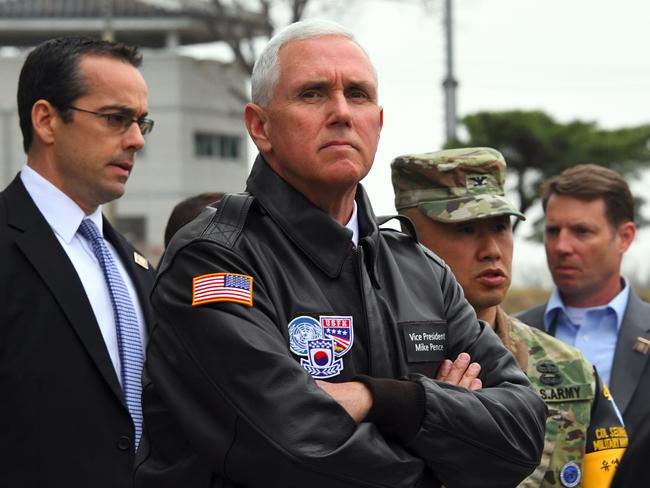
628 364
534 317
43 250
142 278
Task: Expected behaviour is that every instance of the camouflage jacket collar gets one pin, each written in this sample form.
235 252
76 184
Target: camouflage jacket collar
504 327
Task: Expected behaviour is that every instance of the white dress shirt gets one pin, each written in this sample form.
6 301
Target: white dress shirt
353 224
64 217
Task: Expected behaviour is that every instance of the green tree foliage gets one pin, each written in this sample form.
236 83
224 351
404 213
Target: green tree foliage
537 147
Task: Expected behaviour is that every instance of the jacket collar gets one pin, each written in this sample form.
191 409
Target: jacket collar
504 327
322 239
629 365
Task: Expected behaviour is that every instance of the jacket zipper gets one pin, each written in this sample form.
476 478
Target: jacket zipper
358 254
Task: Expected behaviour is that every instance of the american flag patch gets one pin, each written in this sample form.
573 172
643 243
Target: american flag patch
222 287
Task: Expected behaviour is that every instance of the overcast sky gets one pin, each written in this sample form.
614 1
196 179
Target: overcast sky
574 59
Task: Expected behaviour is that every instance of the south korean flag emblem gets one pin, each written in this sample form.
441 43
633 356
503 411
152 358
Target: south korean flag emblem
321 362
321 343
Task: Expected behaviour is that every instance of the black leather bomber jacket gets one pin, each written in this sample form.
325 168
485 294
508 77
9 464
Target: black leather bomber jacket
230 398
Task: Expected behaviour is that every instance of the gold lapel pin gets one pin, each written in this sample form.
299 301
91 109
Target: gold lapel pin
142 261
642 345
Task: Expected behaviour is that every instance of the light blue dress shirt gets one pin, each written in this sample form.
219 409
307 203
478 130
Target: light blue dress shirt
592 330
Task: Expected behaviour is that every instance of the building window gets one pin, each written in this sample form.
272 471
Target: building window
216 146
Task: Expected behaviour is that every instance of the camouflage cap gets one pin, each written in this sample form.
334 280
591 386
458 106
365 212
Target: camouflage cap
453 185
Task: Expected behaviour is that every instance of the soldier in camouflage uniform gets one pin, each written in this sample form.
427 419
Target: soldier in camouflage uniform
456 200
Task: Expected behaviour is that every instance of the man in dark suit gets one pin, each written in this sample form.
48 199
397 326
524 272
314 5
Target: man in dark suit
633 469
589 224
73 292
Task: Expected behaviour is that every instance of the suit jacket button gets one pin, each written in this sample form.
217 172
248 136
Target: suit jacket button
124 443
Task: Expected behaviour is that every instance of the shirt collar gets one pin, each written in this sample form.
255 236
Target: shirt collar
618 304
353 224
58 209
324 240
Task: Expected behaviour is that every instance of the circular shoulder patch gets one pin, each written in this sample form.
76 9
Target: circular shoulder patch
301 330
570 475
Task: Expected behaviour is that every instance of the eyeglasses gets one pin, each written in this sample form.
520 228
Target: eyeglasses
120 121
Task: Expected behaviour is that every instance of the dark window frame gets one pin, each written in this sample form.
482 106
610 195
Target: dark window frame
214 145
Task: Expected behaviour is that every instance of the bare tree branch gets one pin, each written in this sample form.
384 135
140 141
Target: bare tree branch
298 9
241 24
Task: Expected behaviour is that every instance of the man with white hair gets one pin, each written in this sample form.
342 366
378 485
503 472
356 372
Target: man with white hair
297 344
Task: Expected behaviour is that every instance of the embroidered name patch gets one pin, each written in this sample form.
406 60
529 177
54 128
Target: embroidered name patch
321 343
425 341
566 393
222 287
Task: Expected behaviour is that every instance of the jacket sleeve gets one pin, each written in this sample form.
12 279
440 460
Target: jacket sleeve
492 437
242 403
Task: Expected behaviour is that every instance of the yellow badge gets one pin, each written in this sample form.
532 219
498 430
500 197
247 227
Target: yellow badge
600 466
606 392
604 453
140 260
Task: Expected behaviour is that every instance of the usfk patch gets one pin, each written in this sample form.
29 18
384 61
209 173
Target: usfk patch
321 343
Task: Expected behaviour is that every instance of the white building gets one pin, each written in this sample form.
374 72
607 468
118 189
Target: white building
199 142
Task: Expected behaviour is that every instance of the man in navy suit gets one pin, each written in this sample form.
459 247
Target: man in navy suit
589 225
64 417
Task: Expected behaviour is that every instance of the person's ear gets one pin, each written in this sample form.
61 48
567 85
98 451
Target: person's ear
257 124
626 232
45 118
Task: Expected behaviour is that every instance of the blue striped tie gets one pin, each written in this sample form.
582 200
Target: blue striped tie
126 322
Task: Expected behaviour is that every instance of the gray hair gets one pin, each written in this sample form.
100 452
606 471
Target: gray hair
266 69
